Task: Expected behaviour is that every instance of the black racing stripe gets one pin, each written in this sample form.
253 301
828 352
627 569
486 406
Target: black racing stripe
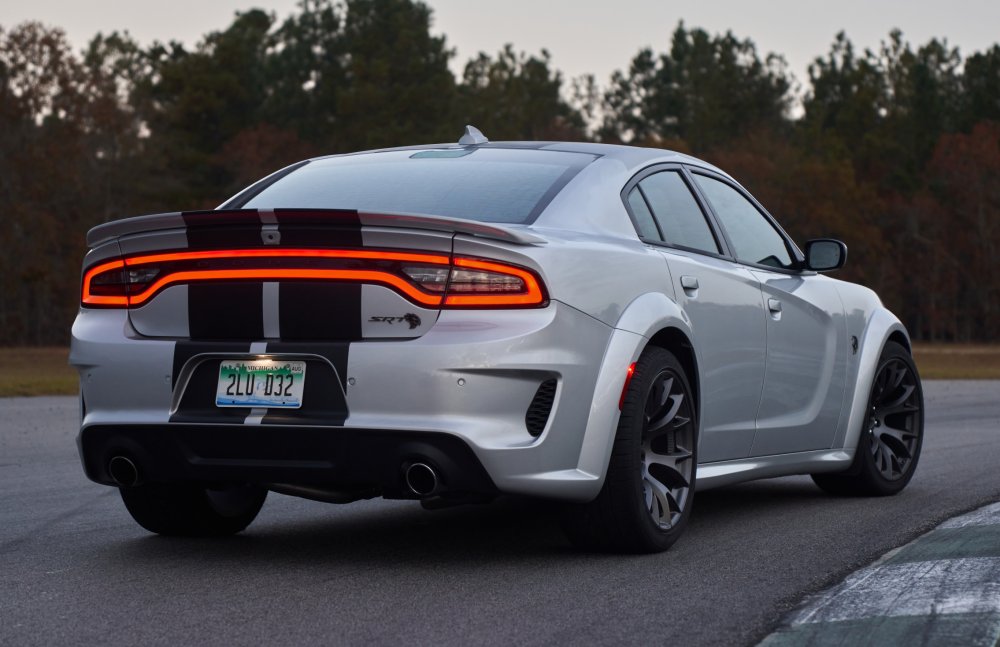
198 401
323 400
336 352
226 310
185 350
329 217
319 228
223 229
319 311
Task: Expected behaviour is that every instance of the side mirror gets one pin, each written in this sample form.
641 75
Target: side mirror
825 254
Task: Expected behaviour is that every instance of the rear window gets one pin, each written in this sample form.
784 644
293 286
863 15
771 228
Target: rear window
486 184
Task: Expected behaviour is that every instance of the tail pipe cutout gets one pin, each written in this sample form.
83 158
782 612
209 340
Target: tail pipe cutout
422 479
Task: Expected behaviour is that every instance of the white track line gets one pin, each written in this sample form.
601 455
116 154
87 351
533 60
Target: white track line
913 589
921 591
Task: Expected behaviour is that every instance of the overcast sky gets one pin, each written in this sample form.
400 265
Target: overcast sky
583 36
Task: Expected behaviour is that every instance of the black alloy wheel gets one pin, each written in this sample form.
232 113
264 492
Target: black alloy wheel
894 418
646 499
891 438
667 449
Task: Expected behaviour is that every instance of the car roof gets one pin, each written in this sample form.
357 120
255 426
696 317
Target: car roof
633 157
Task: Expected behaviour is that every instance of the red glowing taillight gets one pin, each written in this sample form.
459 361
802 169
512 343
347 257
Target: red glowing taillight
490 284
429 280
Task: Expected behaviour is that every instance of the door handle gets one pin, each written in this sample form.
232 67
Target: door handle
774 305
689 283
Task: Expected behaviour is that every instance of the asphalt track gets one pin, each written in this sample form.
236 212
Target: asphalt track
74 568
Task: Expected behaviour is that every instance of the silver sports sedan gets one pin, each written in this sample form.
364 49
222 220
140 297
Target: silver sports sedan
609 326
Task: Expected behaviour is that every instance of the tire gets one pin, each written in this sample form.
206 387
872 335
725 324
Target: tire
646 499
192 510
893 432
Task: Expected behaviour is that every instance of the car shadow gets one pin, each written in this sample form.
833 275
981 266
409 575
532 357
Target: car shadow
380 533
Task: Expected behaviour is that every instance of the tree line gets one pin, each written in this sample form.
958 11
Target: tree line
894 150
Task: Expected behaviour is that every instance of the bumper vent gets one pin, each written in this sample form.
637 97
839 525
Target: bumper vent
541 406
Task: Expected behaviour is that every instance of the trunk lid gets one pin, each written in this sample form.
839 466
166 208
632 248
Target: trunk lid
290 274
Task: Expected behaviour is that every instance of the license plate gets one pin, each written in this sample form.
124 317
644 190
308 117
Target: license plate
260 383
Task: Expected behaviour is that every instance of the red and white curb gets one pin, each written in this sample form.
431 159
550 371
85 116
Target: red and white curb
943 588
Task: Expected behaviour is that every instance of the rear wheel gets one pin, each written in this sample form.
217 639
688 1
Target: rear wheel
893 432
193 510
646 499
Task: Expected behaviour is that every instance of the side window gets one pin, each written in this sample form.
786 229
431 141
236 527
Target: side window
643 217
753 238
676 211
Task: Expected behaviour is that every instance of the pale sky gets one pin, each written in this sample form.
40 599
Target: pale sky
583 36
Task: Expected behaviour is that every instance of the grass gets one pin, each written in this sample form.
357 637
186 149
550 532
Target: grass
958 361
44 370
36 371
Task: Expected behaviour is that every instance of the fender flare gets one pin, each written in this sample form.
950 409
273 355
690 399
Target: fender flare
645 316
880 327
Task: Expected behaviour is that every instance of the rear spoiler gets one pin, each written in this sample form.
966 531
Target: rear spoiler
336 217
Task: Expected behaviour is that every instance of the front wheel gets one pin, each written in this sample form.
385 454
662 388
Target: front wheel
646 499
193 510
889 445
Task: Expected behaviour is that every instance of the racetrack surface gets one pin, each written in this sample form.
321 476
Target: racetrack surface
75 568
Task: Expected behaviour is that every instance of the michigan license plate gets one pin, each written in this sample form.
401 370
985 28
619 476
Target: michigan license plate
260 383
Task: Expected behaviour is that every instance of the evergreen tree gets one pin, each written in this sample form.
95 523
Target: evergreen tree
706 90
397 85
515 96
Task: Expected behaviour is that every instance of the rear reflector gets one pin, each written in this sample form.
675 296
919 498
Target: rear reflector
628 380
428 280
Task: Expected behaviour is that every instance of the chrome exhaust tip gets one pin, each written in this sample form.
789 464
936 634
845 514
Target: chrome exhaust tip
421 479
123 471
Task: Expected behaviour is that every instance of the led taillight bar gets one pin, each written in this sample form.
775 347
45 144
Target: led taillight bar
91 299
470 283
532 295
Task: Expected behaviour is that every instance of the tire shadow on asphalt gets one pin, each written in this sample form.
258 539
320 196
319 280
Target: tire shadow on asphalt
293 531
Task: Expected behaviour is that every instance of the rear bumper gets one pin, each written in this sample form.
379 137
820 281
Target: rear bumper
471 379
326 457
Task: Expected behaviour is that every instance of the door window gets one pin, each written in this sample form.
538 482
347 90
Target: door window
677 212
643 217
753 237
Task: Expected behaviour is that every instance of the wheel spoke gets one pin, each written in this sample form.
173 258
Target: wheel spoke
669 471
907 392
896 448
658 398
660 423
899 463
663 503
880 384
894 443
660 507
901 408
891 462
897 378
883 456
